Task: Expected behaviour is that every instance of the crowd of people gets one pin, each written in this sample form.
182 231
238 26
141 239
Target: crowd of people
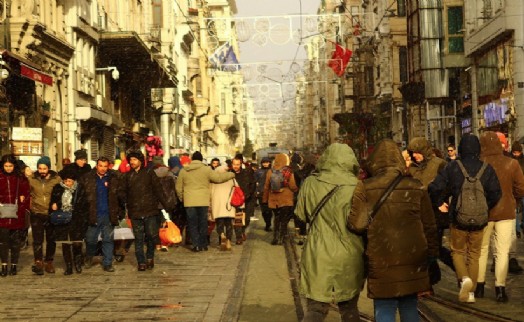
382 219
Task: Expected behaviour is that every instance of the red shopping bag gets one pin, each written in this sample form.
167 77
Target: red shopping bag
169 233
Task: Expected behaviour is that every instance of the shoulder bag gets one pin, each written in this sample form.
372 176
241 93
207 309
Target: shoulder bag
10 210
321 204
60 217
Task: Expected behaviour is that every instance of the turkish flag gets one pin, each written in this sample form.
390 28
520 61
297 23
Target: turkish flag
340 59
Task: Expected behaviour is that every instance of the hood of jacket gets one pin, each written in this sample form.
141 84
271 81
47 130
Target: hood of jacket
281 160
386 155
174 162
490 144
422 146
469 146
162 171
194 165
338 165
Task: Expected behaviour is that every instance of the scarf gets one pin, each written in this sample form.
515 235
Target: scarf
67 196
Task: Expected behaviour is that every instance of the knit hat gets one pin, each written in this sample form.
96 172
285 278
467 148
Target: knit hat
158 161
80 154
68 173
197 156
137 155
516 146
44 160
174 162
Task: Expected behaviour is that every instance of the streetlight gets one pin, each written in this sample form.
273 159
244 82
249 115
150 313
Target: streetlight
114 71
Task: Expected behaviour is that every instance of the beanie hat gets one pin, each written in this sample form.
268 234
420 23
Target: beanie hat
137 155
185 160
197 156
44 160
174 162
68 173
516 146
80 154
158 161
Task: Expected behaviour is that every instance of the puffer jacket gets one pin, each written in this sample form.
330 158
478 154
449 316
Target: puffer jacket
403 235
192 185
286 197
8 196
509 174
41 191
331 262
448 182
427 170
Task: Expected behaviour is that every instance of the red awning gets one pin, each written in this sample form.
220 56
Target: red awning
35 75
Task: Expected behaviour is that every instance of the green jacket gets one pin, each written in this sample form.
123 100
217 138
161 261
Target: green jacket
192 185
331 262
425 171
41 191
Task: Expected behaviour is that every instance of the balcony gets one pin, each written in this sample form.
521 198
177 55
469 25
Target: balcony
225 120
201 106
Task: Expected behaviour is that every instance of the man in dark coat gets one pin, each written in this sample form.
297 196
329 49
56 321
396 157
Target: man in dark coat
465 243
80 166
260 179
103 211
516 153
142 193
246 181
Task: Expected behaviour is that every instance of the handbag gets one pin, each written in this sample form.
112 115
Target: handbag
60 217
240 219
169 233
236 195
321 204
123 231
10 210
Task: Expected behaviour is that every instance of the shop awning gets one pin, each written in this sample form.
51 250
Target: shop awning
134 60
26 68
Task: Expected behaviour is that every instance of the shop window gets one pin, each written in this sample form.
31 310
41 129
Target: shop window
455 30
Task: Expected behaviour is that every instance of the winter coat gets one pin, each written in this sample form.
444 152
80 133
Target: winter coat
142 192
162 172
402 237
448 182
8 196
285 197
246 180
192 185
77 228
331 262
74 168
260 179
41 191
509 174
427 170
116 197
221 197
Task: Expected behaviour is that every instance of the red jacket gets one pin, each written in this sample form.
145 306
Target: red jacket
8 196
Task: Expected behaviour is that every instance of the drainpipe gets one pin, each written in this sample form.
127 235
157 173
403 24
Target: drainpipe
474 100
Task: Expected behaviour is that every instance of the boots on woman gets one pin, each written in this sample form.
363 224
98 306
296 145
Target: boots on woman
78 263
13 270
4 270
69 269
500 292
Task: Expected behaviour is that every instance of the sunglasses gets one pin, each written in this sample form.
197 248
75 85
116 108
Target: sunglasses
451 150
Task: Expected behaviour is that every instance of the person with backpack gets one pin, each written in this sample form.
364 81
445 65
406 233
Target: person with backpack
279 190
502 217
468 209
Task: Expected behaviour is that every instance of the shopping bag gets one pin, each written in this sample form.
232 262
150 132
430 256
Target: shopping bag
169 233
240 219
123 231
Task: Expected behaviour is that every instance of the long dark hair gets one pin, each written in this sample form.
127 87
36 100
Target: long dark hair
11 159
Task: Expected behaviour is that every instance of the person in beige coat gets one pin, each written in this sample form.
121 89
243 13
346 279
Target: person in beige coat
222 211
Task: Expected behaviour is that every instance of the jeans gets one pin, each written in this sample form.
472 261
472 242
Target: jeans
105 228
41 226
317 311
145 230
197 224
386 309
225 225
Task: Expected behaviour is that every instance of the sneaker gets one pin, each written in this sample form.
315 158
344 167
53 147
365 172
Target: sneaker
109 268
164 249
465 287
471 297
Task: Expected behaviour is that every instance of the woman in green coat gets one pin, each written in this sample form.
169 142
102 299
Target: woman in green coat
331 264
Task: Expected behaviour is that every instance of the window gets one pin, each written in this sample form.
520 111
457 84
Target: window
157 13
455 30
401 8
403 64
223 104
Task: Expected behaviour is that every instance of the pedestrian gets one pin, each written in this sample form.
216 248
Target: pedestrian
179 216
103 194
424 167
142 192
215 163
466 241
14 189
246 180
324 274
278 194
42 183
401 233
503 216
452 153
192 188
68 196
516 153
168 182
222 211
260 180
80 166
296 167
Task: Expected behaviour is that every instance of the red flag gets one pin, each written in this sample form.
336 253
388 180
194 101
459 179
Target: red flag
340 59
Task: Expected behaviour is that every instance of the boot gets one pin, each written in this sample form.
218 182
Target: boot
479 291
276 237
4 270
88 262
49 268
38 267
500 292
13 270
514 267
228 244
150 263
78 263
69 269
223 240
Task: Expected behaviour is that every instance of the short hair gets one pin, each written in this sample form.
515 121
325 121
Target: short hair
103 159
215 159
451 145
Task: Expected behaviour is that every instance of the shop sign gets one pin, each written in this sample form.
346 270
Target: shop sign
35 75
27 134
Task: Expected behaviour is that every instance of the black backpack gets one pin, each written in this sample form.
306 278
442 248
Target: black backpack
472 207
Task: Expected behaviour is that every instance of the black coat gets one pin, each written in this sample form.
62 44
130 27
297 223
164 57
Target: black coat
246 180
142 192
77 228
116 209
74 168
